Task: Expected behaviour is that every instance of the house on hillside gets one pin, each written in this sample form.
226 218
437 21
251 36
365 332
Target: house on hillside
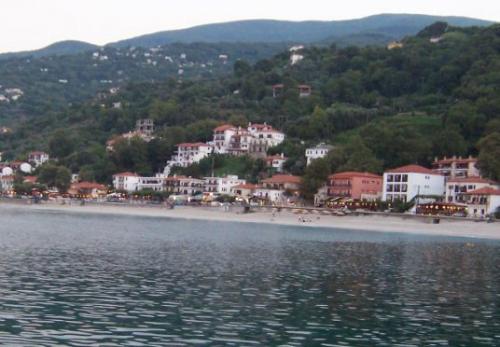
276 162
38 158
319 151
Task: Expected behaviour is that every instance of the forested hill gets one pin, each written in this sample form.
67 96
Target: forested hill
391 26
436 95
32 86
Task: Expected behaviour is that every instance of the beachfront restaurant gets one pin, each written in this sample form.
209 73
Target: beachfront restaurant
442 209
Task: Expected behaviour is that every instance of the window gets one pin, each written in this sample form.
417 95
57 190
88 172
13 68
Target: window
397 178
404 178
397 188
389 188
404 188
389 197
390 178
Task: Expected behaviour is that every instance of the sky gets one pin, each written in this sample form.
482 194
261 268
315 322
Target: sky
31 24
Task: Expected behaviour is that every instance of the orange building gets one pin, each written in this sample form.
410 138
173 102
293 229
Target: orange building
355 185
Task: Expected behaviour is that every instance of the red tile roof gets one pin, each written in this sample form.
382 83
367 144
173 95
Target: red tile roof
278 179
30 179
350 174
246 186
484 191
88 185
224 127
413 169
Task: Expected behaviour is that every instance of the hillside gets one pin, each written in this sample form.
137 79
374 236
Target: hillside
393 26
381 107
58 48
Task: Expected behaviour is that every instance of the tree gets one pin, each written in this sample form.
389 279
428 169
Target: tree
61 144
55 177
489 156
315 176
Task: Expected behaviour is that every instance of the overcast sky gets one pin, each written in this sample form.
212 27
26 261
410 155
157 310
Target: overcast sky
30 24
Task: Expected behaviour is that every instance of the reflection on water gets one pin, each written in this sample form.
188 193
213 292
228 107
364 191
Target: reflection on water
96 280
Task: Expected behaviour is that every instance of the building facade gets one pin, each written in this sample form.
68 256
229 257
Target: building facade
482 202
406 182
456 167
222 185
38 158
456 188
127 181
182 185
319 151
355 185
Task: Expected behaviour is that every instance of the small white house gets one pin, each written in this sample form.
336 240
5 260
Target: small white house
127 181
38 158
319 151
406 182
483 202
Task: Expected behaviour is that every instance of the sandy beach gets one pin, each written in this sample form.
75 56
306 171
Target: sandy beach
424 226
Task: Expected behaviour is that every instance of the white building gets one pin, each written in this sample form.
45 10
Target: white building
127 181
222 185
38 158
276 162
156 183
406 182
457 187
483 202
190 153
266 132
222 137
320 151
182 185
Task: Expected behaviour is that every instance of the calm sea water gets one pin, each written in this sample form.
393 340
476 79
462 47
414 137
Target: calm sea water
109 280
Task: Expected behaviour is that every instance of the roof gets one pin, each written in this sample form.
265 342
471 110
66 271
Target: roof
455 160
246 186
224 127
126 174
88 185
277 179
484 191
471 179
196 144
413 169
31 179
350 174
37 153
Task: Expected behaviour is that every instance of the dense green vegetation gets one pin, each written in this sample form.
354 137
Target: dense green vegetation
381 108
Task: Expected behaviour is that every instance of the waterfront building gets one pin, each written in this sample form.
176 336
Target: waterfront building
319 151
406 182
222 137
127 181
154 183
244 191
482 202
6 183
222 185
456 167
279 189
38 158
87 190
182 185
457 187
355 185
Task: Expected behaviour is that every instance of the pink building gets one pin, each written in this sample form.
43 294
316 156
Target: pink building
355 185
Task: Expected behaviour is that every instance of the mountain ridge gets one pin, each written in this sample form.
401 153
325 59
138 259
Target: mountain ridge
392 26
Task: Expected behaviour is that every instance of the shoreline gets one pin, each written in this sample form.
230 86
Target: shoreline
370 223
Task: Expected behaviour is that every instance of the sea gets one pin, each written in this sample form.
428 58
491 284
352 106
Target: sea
112 280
